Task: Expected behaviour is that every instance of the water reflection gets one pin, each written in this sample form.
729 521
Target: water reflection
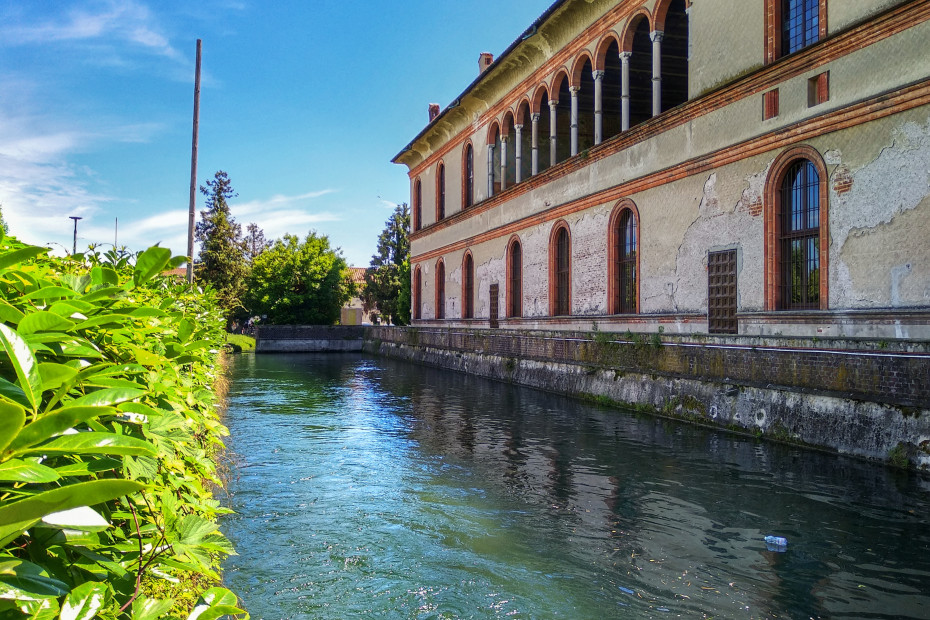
377 488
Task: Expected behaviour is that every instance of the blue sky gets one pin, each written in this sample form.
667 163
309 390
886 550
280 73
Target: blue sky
303 104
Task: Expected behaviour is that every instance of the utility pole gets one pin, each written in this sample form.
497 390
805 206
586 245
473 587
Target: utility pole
190 215
75 218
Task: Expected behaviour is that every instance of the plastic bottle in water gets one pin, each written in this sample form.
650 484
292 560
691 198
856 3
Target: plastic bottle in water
776 543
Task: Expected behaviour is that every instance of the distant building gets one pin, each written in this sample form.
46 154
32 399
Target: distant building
353 313
721 166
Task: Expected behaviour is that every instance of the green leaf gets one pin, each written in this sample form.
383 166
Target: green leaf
21 580
92 466
43 321
214 603
185 329
83 518
146 358
103 293
18 470
12 419
24 362
13 392
46 609
115 320
104 275
93 443
9 314
144 608
150 263
50 292
54 375
17 516
107 396
84 601
54 423
8 259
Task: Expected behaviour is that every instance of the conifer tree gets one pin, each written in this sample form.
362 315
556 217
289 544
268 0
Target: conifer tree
221 261
387 280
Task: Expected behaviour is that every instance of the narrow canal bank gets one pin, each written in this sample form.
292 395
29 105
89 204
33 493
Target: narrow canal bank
369 487
866 398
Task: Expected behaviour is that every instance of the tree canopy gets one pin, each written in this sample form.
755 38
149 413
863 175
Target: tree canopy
222 258
387 280
296 282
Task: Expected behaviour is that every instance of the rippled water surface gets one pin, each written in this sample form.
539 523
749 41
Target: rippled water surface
371 488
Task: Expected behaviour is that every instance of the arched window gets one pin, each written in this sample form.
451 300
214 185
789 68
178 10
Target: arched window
792 25
800 24
417 205
624 260
440 290
797 240
440 192
417 293
560 271
468 287
640 44
674 18
515 279
800 236
468 177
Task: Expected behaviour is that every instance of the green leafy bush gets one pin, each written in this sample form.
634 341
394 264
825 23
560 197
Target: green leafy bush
108 430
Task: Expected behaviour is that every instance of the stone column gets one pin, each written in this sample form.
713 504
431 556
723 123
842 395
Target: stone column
534 139
490 170
625 90
656 37
574 119
518 154
553 130
504 141
598 106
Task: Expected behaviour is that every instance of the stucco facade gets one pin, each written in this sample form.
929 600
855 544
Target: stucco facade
680 124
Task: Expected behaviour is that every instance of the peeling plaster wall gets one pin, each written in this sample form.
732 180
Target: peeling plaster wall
880 223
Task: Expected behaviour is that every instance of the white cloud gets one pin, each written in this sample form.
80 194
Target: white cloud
118 20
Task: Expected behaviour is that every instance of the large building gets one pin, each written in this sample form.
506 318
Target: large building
758 167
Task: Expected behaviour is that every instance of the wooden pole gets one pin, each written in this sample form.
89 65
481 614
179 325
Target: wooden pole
191 210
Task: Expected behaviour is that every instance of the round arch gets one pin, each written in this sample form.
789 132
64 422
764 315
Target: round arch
600 54
660 12
616 282
772 225
468 285
513 259
626 39
576 76
560 269
417 297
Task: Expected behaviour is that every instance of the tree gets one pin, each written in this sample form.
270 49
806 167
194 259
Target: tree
255 242
221 261
297 282
387 280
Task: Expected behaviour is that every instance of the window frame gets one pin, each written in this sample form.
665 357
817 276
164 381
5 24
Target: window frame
417 204
615 260
440 191
775 24
468 286
514 277
774 235
417 293
560 277
468 176
440 308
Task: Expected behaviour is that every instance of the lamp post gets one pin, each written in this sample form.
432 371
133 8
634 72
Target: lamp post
75 218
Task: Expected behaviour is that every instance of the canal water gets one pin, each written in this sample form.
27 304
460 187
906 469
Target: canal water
370 488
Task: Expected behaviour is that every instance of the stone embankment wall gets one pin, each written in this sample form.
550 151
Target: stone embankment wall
866 398
308 338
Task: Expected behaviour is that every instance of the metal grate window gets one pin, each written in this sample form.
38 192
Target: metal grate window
494 301
469 287
562 252
516 280
800 24
626 245
800 237
722 292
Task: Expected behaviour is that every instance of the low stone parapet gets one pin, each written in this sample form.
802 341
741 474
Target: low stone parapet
308 338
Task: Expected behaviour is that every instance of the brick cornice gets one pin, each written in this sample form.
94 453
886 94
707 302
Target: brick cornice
874 108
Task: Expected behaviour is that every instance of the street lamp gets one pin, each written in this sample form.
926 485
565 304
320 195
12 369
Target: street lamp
75 218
